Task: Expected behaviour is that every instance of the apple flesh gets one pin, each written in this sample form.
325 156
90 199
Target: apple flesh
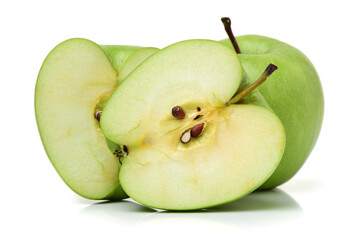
294 94
75 80
183 89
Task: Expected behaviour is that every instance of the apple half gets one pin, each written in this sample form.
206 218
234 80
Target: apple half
188 148
75 80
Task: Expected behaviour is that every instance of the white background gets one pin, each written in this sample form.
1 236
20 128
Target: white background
320 202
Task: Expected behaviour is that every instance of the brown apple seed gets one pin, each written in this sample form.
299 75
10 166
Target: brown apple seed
98 114
178 112
197 130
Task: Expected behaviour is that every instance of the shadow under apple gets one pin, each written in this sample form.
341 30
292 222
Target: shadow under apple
274 199
259 207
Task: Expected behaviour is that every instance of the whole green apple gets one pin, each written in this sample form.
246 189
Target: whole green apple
294 94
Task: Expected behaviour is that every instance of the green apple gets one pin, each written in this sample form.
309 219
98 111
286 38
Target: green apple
294 94
188 146
74 83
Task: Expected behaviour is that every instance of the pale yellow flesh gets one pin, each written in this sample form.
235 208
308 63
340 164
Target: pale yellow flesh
75 76
236 156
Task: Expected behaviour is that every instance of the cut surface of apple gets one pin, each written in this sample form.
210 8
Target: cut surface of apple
75 80
184 90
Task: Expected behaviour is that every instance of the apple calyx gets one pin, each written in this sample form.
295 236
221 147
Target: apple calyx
268 71
121 152
227 24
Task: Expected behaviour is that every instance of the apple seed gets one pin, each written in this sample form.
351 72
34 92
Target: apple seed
98 114
186 136
197 130
197 117
178 112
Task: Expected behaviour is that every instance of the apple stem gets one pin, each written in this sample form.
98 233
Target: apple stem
268 71
227 24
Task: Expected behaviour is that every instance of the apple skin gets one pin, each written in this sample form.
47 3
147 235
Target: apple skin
293 92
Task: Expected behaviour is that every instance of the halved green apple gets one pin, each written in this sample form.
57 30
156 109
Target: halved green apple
75 80
187 147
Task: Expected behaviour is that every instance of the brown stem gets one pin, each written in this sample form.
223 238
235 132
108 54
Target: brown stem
268 71
227 24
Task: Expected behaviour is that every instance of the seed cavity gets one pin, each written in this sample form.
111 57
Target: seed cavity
197 117
178 112
186 136
197 130
98 115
